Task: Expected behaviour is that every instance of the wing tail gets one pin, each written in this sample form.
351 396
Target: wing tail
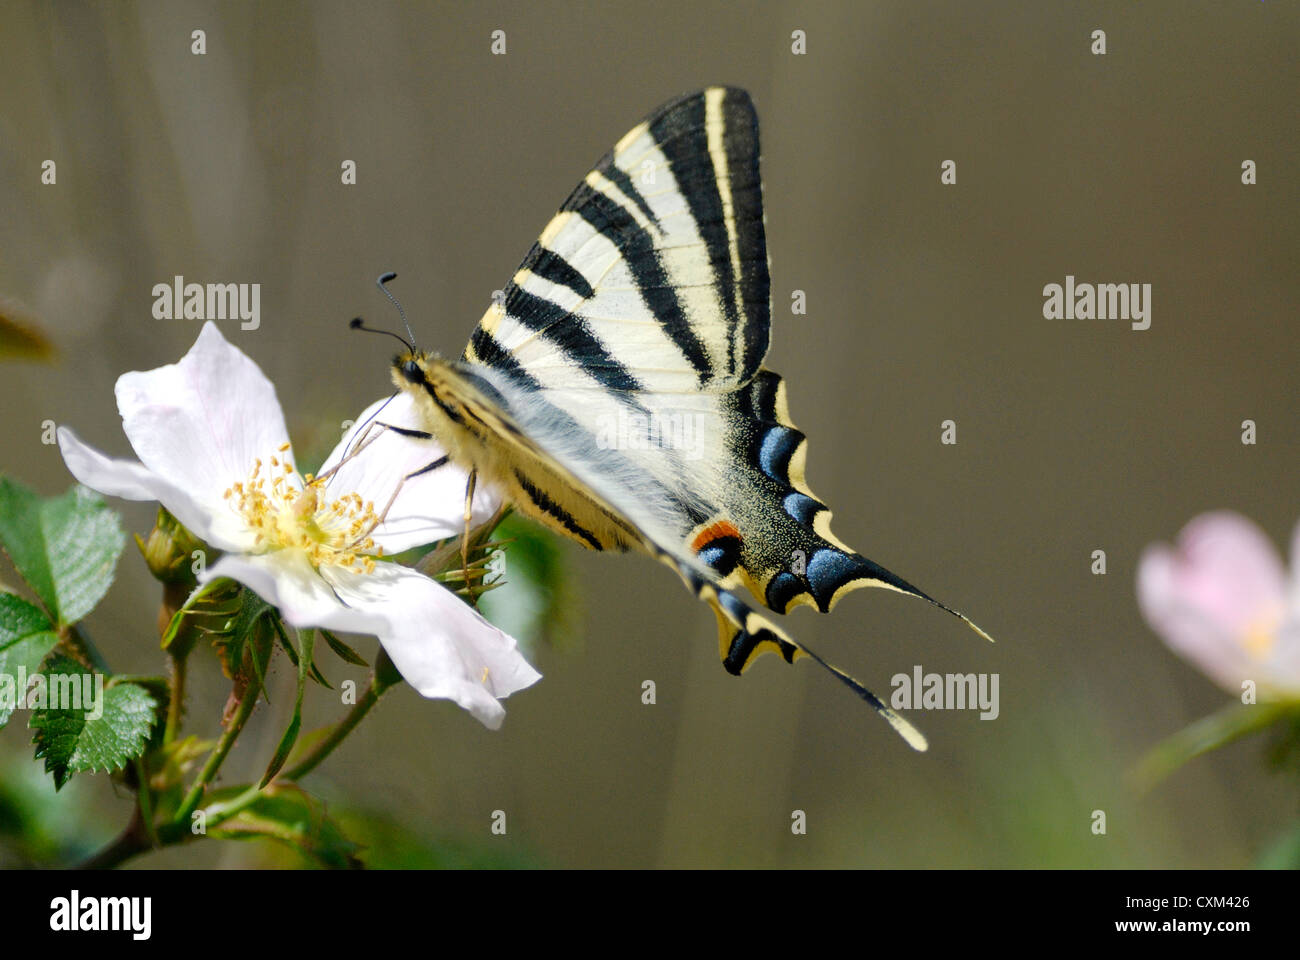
744 635
815 568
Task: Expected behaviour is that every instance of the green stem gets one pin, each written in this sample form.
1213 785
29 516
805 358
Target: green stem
132 841
221 812
135 840
83 649
1208 733
175 700
145 796
219 753
381 678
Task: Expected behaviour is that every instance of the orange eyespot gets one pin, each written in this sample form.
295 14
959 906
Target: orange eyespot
716 531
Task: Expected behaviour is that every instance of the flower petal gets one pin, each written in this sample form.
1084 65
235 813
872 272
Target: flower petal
200 423
133 481
428 507
442 646
112 477
284 579
1218 600
1227 569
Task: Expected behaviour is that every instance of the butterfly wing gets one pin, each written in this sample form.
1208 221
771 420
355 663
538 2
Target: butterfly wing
550 469
653 276
641 317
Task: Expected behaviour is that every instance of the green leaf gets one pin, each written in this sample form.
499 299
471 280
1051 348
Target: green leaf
287 814
72 740
66 547
308 640
346 653
26 637
1209 733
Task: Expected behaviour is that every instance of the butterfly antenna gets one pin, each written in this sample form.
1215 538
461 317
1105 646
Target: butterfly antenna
358 324
382 284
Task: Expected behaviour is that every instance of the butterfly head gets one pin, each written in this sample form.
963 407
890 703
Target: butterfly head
432 381
408 369
416 371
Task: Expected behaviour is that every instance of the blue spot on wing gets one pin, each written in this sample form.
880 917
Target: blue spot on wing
802 508
828 570
781 589
732 605
775 451
722 555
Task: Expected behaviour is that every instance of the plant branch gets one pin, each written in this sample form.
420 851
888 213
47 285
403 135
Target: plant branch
219 753
382 677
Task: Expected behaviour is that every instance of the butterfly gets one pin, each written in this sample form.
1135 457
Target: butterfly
615 392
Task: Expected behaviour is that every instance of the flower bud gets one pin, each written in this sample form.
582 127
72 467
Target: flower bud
169 550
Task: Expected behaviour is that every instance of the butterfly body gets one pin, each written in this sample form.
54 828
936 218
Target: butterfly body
616 392
463 410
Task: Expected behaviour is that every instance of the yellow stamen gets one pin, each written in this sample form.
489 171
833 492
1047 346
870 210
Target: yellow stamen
297 515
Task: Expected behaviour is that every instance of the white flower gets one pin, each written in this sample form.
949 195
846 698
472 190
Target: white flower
214 450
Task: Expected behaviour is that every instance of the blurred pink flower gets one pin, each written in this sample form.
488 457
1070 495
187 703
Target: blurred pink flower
1222 599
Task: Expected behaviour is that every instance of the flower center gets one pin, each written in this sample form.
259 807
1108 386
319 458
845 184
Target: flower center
1260 637
286 511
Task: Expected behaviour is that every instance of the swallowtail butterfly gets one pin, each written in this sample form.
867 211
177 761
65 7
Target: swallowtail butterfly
616 393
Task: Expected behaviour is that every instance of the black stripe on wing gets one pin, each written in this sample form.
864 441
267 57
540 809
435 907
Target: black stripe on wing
570 333
681 131
741 144
681 136
637 248
549 265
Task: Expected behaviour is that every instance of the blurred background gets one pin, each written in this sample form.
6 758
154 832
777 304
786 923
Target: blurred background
924 303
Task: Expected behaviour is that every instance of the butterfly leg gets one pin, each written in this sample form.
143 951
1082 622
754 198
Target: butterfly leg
464 539
383 514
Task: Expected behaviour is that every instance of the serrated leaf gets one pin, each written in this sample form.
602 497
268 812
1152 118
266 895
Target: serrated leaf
66 547
307 638
289 815
26 637
72 740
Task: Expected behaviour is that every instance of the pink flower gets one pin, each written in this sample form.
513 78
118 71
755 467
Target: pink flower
1222 599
